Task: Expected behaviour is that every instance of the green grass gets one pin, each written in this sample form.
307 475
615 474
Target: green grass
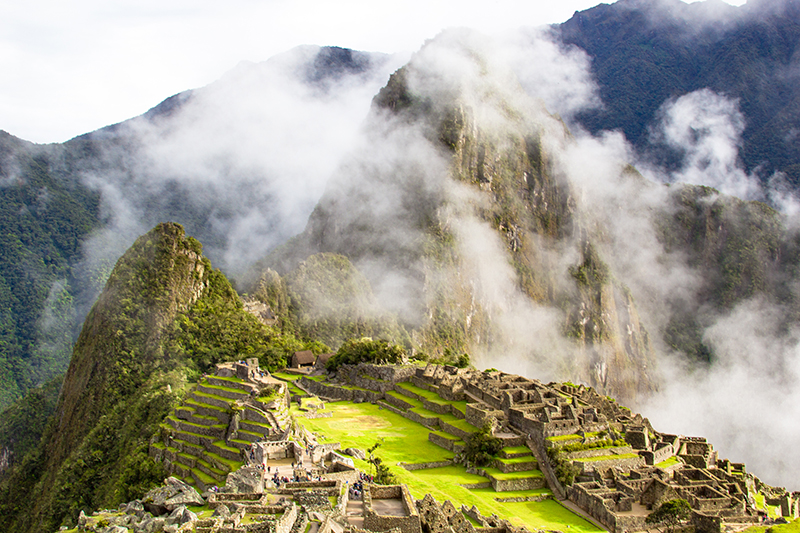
192 402
607 457
226 389
447 436
229 379
669 462
221 444
428 395
214 396
205 478
791 527
413 401
573 436
517 460
517 449
505 476
286 377
361 425
211 467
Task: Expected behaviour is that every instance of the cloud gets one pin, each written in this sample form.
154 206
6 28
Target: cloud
705 128
240 163
746 403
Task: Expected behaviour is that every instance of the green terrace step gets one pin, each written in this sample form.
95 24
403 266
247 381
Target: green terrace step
251 436
225 392
516 464
221 413
184 412
515 451
252 415
401 401
240 444
217 430
211 399
222 463
192 438
203 480
229 452
210 469
186 459
515 481
256 427
181 469
233 383
203 420
188 447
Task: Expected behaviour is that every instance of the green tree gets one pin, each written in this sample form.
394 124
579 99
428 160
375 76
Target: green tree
366 350
482 446
670 514
381 473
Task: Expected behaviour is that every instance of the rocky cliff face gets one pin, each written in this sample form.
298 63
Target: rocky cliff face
467 229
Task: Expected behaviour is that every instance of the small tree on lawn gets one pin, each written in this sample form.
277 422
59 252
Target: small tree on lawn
670 514
381 473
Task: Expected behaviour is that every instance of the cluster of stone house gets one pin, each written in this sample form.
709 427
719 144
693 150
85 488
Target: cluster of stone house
624 468
617 485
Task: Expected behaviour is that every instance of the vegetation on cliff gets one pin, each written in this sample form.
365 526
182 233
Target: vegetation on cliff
43 220
164 317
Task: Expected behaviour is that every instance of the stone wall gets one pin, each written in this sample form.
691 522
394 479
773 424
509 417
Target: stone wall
453 430
604 465
704 523
423 466
410 523
444 442
477 415
597 506
286 521
599 452
508 485
537 446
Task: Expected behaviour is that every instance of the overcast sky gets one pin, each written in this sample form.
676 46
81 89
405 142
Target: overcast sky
72 67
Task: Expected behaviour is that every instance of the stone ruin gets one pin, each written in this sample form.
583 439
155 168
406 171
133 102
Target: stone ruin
624 468
617 484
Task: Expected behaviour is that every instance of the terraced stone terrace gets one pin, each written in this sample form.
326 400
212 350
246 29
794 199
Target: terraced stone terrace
199 442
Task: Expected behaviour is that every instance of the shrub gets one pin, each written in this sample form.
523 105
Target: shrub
670 513
482 446
366 350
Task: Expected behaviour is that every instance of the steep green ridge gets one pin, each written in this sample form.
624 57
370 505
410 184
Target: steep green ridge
43 219
24 422
132 363
53 197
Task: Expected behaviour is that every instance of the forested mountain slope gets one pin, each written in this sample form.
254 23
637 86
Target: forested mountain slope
645 53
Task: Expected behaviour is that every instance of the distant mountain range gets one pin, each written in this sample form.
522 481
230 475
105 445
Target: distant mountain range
645 52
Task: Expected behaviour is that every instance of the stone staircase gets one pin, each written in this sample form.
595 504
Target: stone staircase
515 469
198 441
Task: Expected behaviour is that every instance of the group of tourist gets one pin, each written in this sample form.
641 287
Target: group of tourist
356 490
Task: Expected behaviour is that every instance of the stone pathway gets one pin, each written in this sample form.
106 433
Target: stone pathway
355 513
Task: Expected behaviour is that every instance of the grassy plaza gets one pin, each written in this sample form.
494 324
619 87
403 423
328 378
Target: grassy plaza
402 440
